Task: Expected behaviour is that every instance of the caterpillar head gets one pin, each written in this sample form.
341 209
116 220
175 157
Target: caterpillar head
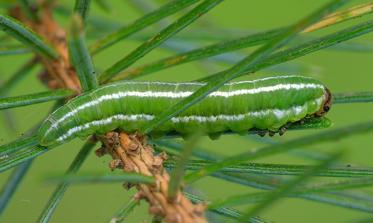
327 103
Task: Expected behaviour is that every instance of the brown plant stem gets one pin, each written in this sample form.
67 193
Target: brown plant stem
132 154
58 73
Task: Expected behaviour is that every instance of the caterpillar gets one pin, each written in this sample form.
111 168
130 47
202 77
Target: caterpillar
266 104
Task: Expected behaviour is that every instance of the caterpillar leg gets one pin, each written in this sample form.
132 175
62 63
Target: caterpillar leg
285 127
262 133
282 130
272 133
214 136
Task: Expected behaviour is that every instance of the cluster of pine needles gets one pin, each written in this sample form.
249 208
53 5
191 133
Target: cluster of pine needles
65 58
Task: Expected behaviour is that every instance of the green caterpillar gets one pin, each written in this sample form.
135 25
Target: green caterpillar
265 104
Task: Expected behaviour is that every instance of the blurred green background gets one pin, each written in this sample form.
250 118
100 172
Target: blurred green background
341 70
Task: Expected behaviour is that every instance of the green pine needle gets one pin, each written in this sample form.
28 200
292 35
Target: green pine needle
352 97
30 99
122 214
26 36
80 56
82 8
12 184
283 147
276 169
288 187
133 178
178 172
158 39
58 193
248 63
141 23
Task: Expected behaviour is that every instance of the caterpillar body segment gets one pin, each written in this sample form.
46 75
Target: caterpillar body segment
265 104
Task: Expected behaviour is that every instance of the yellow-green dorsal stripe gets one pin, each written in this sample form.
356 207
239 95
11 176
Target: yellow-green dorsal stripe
267 103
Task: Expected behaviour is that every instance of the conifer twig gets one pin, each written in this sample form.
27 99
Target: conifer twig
58 72
132 154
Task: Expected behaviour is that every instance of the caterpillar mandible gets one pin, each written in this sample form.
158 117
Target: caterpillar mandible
266 104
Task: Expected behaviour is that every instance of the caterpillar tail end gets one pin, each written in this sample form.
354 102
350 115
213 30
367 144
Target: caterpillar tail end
47 134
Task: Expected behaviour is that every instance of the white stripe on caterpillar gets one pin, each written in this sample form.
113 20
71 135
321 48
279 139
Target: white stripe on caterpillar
145 117
170 94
